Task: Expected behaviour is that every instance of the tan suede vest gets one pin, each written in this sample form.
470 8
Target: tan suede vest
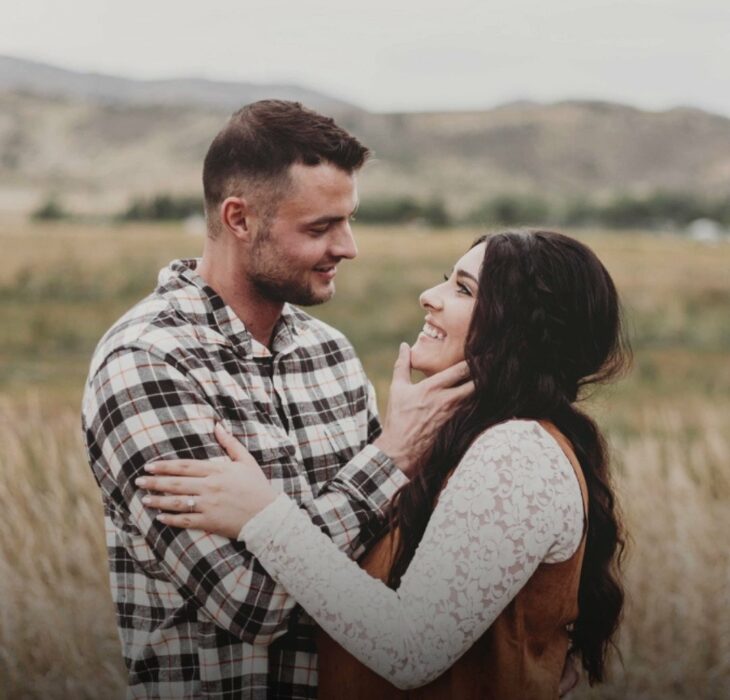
520 657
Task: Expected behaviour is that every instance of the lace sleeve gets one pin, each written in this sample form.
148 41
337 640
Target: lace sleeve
512 502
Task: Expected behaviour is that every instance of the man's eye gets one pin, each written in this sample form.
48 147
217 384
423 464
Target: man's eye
319 229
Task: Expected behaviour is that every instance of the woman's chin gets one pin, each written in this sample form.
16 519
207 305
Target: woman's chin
422 361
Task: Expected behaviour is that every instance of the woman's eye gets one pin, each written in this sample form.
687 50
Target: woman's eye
463 289
446 277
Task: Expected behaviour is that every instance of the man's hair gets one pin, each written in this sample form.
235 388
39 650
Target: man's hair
262 140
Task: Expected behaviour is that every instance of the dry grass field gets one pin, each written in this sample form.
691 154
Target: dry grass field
668 424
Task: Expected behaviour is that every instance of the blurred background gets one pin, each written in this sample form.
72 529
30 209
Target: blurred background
607 120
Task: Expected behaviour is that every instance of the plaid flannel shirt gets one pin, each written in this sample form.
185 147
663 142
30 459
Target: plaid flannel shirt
198 616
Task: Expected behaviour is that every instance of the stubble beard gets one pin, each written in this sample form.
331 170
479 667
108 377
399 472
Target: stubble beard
273 279
274 288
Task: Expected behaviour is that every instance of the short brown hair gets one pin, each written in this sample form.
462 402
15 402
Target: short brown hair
261 140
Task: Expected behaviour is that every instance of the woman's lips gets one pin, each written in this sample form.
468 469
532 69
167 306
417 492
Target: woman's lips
432 332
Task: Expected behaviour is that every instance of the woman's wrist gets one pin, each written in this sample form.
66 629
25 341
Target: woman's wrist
263 524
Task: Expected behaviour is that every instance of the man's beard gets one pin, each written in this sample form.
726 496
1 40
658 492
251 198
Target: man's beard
273 280
282 290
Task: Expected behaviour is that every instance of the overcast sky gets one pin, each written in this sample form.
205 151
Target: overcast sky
389 55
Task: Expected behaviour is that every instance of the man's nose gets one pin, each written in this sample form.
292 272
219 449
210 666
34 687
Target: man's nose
344 245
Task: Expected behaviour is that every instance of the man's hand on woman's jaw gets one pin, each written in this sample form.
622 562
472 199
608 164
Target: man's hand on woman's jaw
416 412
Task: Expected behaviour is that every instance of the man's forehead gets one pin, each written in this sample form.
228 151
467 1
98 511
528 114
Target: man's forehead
313 185
322 174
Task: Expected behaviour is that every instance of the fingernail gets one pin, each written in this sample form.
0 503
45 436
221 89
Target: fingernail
150 467
140 481
162 518
146 499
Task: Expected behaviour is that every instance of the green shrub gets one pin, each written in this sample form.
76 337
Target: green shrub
163 207
511 210
403 210
50 210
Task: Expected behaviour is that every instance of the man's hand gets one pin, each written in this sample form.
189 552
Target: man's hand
416 412
570 676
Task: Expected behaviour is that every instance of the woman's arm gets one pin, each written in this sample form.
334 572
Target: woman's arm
513 502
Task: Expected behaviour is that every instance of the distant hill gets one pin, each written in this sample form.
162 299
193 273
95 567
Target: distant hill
42 79
96 141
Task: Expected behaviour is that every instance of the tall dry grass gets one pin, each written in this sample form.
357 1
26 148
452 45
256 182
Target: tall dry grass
57 631
668 423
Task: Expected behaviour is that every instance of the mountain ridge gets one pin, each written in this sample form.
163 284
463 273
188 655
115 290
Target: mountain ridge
41 78
96 154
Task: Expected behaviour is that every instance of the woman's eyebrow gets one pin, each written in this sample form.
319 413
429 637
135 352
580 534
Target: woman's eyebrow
468 275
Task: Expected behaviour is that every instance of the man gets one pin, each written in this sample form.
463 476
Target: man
218 341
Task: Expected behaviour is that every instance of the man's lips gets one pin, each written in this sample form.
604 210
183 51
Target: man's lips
326 271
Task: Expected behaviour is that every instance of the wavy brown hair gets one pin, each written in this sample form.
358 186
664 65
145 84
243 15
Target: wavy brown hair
546 325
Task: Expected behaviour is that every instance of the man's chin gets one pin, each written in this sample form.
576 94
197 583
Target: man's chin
314 297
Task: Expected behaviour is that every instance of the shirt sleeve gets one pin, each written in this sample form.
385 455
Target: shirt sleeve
513 502
369 480
140 408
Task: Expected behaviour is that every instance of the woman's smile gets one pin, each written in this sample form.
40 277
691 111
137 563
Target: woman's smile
449 307
431 331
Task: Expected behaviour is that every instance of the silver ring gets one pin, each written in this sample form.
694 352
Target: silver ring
191 504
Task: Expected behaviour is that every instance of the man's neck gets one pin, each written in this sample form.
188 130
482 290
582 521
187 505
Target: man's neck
258 314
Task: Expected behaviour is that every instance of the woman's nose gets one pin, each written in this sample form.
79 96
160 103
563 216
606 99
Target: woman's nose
430 299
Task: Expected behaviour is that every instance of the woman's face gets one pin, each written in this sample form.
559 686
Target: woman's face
449 307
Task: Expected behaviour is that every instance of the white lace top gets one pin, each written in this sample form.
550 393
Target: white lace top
513 502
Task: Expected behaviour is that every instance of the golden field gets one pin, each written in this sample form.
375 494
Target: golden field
668 423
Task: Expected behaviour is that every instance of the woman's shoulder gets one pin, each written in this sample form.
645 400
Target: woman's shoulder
524 448
521 460
517 432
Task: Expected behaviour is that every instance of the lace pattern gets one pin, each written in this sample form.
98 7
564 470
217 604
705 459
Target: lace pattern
512 503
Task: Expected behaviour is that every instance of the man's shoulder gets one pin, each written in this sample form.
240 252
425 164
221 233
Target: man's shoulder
156 326
319 332
325 342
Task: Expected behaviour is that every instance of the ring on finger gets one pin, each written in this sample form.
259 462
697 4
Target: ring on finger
191 504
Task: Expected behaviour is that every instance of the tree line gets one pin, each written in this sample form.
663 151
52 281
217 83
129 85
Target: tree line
655 211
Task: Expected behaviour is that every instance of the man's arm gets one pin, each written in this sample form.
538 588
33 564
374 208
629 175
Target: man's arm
139 409
415 414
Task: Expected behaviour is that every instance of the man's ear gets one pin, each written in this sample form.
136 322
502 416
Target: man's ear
237 216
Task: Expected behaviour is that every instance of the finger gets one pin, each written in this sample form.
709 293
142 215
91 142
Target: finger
458 393
569 678
402 367
195 521
173 504
450 376
234 449
182 467
171 484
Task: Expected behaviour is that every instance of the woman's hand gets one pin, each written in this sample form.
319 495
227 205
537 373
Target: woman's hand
218 497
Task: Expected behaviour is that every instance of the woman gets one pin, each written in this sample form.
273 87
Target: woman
503 551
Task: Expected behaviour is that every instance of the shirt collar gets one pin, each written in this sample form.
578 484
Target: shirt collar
189 293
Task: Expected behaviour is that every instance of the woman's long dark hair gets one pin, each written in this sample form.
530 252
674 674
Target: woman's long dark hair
546 324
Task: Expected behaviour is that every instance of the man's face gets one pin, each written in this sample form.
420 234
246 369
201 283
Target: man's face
294 255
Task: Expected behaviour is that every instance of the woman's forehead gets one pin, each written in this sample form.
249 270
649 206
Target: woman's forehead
471 261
